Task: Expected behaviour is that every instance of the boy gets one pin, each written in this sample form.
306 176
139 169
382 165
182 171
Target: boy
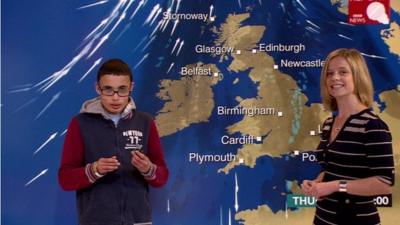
111 153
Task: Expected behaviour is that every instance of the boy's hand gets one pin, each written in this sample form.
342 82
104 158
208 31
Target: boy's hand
106 165
140 161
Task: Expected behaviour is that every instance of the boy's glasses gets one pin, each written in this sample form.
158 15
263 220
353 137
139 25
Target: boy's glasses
121 92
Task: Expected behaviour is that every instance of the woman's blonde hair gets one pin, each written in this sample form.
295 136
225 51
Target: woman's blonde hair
363 88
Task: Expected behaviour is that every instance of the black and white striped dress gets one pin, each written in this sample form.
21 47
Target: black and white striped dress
362 148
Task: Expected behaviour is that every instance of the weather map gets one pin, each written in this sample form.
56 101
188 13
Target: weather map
233 87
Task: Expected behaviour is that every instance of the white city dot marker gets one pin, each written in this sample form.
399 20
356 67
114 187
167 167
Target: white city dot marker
280 113
276 67
258 138
216 74
238 52
312 133
212 19
254 51
241 160
296 152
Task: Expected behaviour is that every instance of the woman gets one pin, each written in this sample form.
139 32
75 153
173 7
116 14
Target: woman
355 151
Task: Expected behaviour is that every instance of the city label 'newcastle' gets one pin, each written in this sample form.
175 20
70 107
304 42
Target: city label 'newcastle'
302 63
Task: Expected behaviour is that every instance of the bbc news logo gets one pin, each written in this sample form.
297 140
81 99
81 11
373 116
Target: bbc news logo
369 11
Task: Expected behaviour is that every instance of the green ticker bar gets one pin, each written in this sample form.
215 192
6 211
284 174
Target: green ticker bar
300 201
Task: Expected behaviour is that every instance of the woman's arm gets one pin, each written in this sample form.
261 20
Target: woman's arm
363 187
